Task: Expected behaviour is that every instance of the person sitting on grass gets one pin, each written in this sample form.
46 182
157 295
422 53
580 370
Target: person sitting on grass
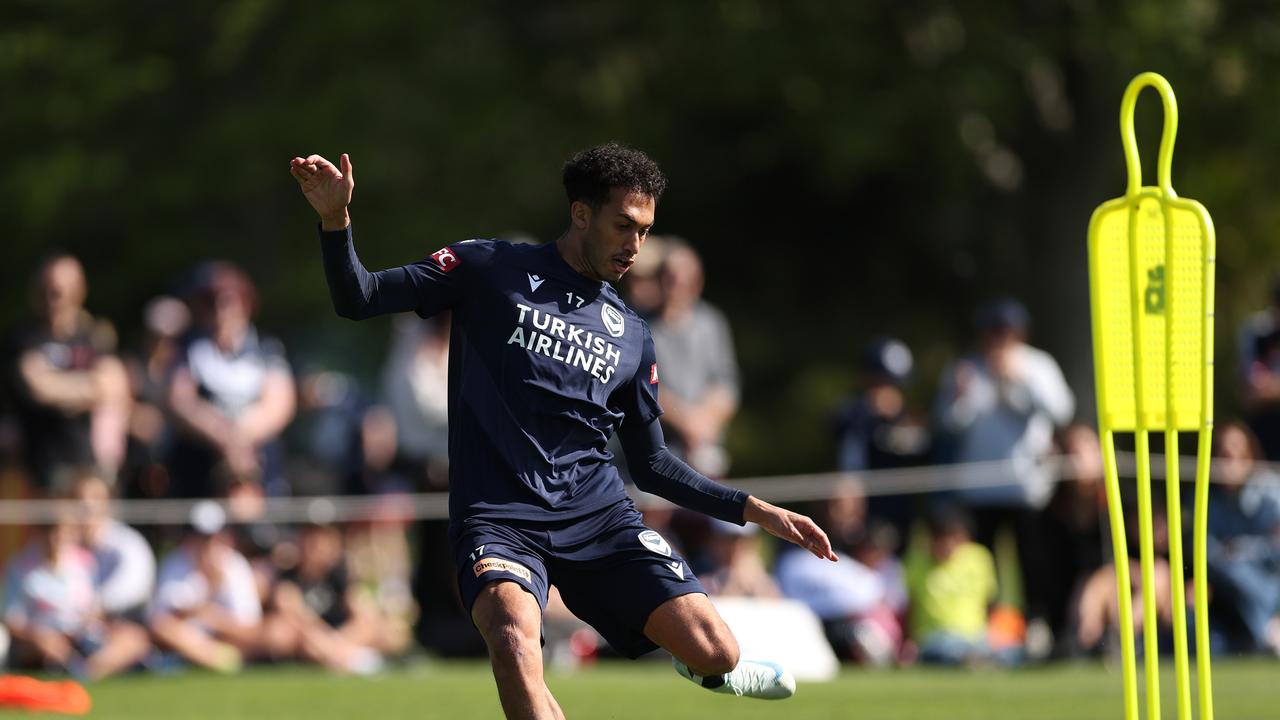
951 585
125 567
849 598
205 607
1097 612
1243 545
53 615
317 615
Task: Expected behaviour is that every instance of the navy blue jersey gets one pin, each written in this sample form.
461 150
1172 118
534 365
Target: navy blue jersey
544 366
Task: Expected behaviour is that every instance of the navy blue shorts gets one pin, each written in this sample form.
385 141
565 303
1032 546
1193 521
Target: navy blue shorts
611 570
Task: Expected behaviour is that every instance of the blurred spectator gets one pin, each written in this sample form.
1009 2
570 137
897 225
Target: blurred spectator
642 285
1073 533
54 617
378 552
317 615
875 431
1260 373
1003 404
415 383
125 568
731 563
232 392
324 439
206 607
696 364
379 559
72 393
251 533
1098 610
410 437
1243 548
853 602
877 550
165 320
843 515
952 584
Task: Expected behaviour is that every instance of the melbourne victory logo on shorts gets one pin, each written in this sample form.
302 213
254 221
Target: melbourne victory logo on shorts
654 542
613 321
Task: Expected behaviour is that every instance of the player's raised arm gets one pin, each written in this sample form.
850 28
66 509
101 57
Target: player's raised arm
326 187
357 293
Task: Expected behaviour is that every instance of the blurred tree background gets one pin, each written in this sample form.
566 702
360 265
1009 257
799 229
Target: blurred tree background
848 169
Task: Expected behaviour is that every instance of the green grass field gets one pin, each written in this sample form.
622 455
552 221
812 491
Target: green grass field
1243 691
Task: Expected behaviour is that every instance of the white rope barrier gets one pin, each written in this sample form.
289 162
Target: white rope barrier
435 506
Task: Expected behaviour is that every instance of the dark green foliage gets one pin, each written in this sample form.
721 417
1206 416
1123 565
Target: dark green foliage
849 169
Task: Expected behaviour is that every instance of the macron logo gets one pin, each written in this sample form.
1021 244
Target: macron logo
535 282
678 568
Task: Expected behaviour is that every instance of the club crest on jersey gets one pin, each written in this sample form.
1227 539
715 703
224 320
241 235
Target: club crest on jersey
613 320
445 258
654 542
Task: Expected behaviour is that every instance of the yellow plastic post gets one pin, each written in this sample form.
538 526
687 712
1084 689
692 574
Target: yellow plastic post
1151 259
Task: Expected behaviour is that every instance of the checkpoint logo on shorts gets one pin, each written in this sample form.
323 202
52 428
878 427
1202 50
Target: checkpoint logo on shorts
500 565
613 320
445 258
654 542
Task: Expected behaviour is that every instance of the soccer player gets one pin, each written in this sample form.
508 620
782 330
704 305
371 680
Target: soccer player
545 364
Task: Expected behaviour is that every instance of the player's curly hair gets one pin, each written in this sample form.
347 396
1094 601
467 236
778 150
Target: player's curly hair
591 174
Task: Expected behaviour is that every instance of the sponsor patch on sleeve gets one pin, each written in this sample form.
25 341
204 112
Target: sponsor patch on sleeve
653 374
500 565
445 258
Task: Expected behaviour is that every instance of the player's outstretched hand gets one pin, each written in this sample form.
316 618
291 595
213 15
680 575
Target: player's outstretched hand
792 527
326 187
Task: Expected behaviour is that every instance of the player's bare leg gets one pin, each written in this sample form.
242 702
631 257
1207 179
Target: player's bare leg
555 706
705 651
691 630
510 621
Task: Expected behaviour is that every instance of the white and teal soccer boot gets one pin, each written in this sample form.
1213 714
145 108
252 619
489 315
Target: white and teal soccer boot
752 678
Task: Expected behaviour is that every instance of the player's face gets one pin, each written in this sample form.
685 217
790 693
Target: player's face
616 232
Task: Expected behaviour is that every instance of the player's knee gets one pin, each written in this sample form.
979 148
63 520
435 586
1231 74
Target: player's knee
509 628
725 653
717 651
511 646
